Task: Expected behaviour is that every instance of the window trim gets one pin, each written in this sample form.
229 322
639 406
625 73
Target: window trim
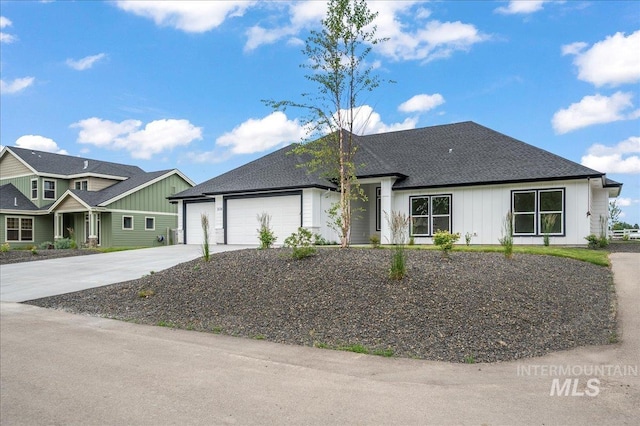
19 229
132 223
430 216
79 183
378 208
154 223
44 189
537 226
36 189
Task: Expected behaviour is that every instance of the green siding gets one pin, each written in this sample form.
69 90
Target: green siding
24 185
154 197
139 236
42 230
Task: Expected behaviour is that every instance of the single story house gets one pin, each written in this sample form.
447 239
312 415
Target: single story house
459 177
44 195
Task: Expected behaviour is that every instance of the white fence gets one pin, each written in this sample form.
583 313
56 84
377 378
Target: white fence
632 234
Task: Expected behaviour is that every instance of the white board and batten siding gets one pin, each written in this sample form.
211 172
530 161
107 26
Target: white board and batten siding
242 217
194 233
480 210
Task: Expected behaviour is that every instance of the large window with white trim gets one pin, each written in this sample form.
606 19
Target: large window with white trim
49 192
19 229
429 214
538 212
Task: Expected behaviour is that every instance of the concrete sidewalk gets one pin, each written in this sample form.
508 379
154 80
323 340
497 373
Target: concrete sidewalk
59 368
32 280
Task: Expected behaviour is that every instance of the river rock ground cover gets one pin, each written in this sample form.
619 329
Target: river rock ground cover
473 307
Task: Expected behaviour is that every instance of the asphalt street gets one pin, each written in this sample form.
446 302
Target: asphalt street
59 368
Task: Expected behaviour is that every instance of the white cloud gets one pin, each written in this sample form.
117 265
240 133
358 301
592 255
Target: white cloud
367 121
422 103
39 143
5 22
4 37
16 85
156 137
611 62
258 135
302 15
596 109
621 158
521 7
625 202
86 62
431 40
188 16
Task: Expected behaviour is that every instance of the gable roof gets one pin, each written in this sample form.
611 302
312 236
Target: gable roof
460 154
42 162
12 199
119 190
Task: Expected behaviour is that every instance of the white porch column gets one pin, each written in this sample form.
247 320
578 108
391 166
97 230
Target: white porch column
57 225
386 206
93 226
219 220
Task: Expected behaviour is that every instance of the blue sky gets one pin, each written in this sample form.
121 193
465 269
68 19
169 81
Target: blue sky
179 84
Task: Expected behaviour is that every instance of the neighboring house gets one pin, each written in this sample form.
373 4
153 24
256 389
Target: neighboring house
43 196
459 177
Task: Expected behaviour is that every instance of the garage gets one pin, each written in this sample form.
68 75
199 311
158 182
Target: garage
242 213
193 212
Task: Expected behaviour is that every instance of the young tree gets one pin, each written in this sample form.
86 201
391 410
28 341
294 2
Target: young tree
614 213
336 62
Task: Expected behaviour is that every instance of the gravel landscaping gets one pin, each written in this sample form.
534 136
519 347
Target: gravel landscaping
474 307
20 256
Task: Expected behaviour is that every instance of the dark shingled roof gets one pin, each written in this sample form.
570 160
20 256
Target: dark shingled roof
95 198
458 154
12 199
66 165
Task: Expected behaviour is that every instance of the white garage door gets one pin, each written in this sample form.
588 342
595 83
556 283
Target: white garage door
194 231
242 222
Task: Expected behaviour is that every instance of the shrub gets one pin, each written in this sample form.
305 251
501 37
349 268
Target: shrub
301 243
374 239
445 241
5 248
412 240
507 235
595 242
625 237
265 233
34 250
319 240
204 221
467 238
398 264
62 244
399 227
547 225
47 245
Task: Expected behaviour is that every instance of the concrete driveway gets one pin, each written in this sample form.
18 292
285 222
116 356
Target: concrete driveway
58 368
32 280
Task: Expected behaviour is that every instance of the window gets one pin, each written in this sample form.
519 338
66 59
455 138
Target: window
49 190
150 223
34 189
19 228
430 214
378 209
536 212
127 223
82 185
